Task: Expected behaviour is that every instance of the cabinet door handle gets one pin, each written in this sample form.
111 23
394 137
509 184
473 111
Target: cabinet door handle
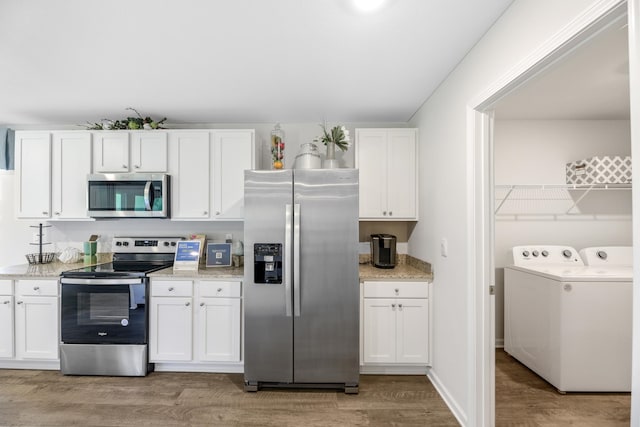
390 213
6 302
35 288
384 213
45 213
124 166
171 289
137 166
400 306
187 304
393 306
219 289
217 213
201 304
56 213
205 213
19 302
397 290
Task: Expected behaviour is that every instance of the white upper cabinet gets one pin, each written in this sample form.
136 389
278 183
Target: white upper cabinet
387 160
149 151
190 155
233 154
124 151
33 171
207 169
110 152
71 163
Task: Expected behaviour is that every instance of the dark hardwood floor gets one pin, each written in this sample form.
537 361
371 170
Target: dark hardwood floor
525 399
47 398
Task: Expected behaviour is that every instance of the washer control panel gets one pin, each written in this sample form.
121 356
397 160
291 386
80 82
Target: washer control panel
545 254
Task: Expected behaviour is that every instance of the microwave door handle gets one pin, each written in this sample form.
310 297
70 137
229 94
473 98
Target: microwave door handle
148 194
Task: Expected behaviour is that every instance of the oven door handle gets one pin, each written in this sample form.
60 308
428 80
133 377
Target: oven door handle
130 281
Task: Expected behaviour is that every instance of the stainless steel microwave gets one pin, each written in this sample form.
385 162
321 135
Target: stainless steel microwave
128 195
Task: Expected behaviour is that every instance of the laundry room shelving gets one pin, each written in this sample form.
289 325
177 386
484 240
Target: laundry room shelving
546 199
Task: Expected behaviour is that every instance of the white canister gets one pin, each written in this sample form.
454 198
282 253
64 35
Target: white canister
309 157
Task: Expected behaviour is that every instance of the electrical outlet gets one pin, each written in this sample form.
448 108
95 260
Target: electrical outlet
228 237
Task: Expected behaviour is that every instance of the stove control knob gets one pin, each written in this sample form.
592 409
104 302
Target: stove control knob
125 243
166 243
525 254
118 243
173 243
602 255
566 253
535 253
545 253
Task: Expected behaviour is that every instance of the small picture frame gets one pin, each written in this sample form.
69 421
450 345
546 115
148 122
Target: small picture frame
219 255
187 255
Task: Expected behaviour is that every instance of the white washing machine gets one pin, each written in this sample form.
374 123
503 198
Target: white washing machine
567 322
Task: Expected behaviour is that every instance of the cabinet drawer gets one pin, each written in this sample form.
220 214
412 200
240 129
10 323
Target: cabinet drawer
5 287
37 287
171 288
396 290
212 288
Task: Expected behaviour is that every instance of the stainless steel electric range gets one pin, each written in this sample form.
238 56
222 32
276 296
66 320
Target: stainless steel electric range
104 310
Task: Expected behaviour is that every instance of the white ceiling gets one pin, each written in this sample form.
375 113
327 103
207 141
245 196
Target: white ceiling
230 61
590 83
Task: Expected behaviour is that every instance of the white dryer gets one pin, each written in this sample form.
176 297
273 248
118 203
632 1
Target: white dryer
567 322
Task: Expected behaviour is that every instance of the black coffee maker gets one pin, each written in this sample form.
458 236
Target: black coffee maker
383 250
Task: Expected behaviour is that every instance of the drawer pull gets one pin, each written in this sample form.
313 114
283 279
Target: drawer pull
393 306
6 302
397 291
171 289
219 289
400 306
187 304
201 304
19 302
36 288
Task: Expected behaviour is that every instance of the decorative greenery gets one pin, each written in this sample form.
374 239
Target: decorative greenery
131 123
339 135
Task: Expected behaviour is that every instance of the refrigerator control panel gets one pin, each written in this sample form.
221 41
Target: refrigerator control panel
267 263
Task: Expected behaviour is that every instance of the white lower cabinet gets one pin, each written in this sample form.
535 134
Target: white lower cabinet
36 320
6 319
196 322
395 321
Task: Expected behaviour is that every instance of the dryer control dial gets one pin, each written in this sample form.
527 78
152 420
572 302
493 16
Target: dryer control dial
545 253
525 254
602 255
566 253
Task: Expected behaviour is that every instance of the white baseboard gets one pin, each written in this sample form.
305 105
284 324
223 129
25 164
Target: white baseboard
448 399
393 369
499 342
48 365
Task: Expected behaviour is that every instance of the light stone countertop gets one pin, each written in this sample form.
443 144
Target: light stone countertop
202 273
408 270
50 270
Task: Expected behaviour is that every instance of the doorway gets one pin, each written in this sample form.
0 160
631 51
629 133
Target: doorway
482 194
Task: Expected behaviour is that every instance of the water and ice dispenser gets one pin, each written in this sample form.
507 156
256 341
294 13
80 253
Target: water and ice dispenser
267 263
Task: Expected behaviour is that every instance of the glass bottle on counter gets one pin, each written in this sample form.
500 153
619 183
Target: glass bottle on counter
277 147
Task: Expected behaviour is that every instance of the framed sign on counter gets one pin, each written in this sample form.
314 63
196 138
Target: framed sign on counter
218 254
187 255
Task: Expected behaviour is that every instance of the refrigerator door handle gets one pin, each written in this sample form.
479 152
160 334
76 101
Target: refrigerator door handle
287 259
296 260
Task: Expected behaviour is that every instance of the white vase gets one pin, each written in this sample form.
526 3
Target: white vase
330 161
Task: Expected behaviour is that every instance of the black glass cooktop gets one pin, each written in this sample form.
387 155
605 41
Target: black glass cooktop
111 269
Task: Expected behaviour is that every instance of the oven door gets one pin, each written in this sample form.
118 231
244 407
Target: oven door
104 311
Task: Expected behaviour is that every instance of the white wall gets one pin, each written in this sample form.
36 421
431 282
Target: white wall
535 152
444 207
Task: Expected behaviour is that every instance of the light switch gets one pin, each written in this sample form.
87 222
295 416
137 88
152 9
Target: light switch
444 248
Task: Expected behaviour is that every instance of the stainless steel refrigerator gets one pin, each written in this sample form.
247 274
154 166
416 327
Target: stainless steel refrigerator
301 290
